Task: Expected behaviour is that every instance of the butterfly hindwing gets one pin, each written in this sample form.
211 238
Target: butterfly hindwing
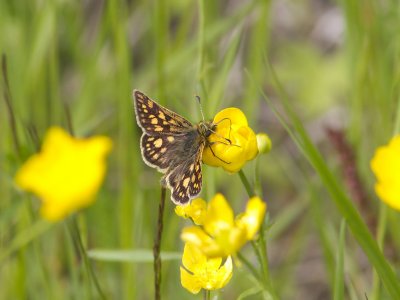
155 151
155 119
185 181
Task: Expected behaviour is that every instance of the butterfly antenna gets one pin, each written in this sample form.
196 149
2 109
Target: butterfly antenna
201 108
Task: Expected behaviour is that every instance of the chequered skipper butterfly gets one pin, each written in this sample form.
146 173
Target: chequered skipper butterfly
173 145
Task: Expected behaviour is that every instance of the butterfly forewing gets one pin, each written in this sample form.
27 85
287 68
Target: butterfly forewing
155 119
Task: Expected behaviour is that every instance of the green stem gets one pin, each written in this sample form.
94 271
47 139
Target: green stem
157 246
252 270
246 184
75 233
206 294
259 247
264 257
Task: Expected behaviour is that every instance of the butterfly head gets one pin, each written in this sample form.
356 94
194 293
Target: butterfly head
206 128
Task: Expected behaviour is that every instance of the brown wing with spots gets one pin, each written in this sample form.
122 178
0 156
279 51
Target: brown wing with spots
185 181
157 150
156 119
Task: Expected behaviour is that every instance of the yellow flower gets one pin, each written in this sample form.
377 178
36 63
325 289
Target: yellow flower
222 235
67 172
386 166
195 210
199 272
231 124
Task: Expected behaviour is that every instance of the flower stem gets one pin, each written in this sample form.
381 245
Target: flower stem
262 246
76 236
157 246
252 270
259 247
246 184
206 294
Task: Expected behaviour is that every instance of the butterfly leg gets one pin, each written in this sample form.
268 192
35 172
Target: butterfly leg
230 127
212 151
229 134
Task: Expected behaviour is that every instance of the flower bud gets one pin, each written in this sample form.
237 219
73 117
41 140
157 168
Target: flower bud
264 143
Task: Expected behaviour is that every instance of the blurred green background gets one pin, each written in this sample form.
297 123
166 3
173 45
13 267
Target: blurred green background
75 64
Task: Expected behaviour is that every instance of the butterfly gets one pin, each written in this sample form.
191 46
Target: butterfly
173 146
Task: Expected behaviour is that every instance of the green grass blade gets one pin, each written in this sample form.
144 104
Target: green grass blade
137 256
25 237
342 201
338 292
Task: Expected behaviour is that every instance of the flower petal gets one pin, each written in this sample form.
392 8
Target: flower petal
67 172
224 274
233 115
190 282
195 210
229 242
386 166
192 257
221 236
202 272
219 215
253 217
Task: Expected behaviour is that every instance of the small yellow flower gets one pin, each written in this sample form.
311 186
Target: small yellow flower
66 174
386 166
264 143
222 234
199 272
195 210
231 124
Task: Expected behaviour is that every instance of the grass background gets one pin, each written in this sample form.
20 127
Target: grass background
75 64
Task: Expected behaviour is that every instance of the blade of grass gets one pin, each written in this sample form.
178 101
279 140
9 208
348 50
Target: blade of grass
25 237
383 216
338 292
137 255
342 201
323 234
117 14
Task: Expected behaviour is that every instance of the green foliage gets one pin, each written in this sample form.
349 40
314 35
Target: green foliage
75 64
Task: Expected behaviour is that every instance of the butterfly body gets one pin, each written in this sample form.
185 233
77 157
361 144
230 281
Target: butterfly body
173 145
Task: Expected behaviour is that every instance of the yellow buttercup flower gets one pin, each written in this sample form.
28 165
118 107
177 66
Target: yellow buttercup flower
386 166
195 210
199 272
67 172
232 125
222 234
